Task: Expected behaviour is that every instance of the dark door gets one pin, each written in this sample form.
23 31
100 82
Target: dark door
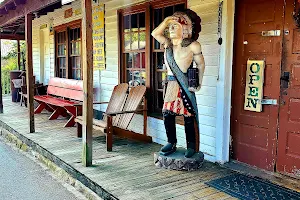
255 133
289 117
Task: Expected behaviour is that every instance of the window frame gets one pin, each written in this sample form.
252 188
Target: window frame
151 73
66 28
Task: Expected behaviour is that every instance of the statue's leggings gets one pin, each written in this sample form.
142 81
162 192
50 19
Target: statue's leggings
170 126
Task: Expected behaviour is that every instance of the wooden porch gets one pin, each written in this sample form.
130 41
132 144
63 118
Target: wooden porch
128 172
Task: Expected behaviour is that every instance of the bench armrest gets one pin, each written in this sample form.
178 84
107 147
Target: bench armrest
124 112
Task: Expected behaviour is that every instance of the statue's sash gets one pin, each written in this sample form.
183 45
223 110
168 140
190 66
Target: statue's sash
182 80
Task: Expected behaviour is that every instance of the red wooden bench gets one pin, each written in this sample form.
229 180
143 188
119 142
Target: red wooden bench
62 95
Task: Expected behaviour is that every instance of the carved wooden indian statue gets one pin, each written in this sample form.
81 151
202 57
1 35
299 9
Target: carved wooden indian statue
181 50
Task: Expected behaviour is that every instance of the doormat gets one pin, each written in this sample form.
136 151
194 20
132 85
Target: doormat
245 187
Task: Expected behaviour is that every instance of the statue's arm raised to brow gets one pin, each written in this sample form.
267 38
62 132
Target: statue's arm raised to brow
158 33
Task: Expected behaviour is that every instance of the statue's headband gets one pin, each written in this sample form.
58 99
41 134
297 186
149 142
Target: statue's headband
186 24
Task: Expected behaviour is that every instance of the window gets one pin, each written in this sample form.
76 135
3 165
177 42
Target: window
68 50
133 47
141 56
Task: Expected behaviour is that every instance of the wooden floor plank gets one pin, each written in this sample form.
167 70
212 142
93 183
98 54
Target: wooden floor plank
127 172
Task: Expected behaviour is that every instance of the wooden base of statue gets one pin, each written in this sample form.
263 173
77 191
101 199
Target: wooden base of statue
177 161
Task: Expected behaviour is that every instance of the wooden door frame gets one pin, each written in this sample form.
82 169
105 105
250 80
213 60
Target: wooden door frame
224 83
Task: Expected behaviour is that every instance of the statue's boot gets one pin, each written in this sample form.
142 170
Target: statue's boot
168 149
190 150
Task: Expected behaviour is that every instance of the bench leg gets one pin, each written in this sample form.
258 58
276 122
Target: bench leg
79 130
71 122
59 111
40 108
109 134
72 111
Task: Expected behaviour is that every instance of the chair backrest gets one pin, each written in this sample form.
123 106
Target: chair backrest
66 88
133 100
117 100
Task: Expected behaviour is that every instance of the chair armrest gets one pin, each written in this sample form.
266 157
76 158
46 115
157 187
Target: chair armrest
124 112
93 103
100 102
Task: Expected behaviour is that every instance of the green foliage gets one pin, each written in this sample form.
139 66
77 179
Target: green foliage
10 62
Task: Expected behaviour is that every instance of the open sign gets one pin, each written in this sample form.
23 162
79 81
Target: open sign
254 85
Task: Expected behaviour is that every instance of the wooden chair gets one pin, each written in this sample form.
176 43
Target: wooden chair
119 113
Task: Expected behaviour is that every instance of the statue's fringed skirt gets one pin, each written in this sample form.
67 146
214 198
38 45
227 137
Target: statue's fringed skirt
173 101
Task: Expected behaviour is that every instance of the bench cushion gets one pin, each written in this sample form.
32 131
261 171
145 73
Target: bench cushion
97 124
54 101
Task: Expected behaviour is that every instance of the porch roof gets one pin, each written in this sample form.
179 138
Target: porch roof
12 15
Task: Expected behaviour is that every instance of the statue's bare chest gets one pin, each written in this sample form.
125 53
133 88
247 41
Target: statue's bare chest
183 58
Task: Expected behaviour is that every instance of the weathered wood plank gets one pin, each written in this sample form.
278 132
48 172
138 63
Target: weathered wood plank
87 65
29 71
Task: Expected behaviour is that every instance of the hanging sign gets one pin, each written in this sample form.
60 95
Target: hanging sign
63 2
68 13
98 36
254 85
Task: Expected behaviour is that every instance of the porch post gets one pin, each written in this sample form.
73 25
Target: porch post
19 55
87 64
1 97
29 70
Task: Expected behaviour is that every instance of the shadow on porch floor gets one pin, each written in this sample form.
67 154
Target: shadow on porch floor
126 173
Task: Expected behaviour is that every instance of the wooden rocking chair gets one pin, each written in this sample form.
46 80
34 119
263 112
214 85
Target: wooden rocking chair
119 113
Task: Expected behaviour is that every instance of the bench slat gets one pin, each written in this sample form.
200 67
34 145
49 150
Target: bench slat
53 100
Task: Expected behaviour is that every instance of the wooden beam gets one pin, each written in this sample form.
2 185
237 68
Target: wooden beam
87 64
11 37
19 55
1 97
22 10
29 70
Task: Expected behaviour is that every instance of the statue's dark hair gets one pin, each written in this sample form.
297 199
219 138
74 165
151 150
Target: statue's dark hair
196 21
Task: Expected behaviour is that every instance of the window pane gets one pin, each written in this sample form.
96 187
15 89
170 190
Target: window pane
180 7
128 60
160 78
160 99
142 40
127 41
143 78
134 41
136 60
160 60
134 22
142 21
142 58
126 23
168 11
157 17
135 78
129 78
